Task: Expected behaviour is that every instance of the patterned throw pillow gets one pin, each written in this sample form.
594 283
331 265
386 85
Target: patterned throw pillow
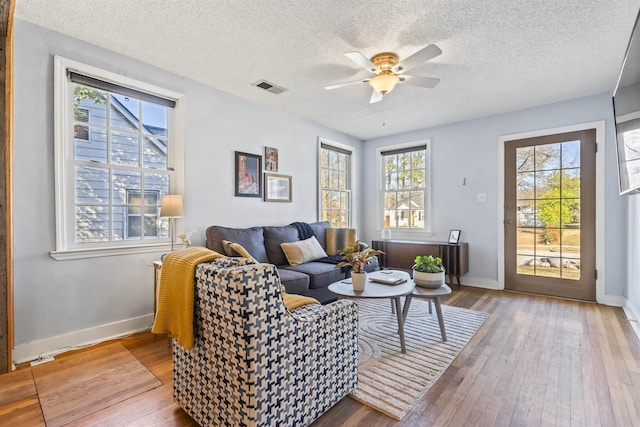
235 249
303 251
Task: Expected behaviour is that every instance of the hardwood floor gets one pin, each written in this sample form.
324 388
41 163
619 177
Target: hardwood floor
536 361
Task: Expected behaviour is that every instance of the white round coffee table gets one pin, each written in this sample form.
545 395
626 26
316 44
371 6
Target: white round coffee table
344 289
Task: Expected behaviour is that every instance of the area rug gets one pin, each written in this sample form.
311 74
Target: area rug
392 382
79 385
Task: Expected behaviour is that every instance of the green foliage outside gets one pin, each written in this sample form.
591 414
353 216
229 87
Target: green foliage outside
559 205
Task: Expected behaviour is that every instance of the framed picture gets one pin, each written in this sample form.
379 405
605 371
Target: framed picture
270 159
277 188
454 236
248 175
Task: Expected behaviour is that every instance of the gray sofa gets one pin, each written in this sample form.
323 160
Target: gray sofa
263 243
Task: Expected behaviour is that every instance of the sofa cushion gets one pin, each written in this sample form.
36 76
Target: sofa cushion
273 237
294 282
252 239
320 273
303 251
339 238
320 230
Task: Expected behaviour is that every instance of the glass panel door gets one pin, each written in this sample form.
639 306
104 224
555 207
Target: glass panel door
550 215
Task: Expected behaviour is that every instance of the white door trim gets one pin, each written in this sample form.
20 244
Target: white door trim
599 126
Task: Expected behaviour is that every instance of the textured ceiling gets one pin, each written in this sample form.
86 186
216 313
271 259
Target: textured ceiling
498 55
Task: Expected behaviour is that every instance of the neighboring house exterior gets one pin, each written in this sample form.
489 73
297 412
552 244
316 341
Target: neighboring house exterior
121 147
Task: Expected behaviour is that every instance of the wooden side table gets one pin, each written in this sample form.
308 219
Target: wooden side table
400 254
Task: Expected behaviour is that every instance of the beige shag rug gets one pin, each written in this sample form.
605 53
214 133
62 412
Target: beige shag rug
392 382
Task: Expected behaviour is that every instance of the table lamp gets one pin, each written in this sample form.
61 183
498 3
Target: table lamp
171 208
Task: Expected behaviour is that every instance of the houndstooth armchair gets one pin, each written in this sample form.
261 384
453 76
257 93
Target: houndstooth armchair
254 363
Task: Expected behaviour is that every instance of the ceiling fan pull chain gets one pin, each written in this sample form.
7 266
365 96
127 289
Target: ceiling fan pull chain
384 115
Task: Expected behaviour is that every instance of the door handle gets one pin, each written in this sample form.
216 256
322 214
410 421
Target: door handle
508 222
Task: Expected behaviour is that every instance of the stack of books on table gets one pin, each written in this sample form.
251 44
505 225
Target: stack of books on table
388 277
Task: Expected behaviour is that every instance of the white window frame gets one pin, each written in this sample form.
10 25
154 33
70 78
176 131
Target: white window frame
349 191
66 248
408 233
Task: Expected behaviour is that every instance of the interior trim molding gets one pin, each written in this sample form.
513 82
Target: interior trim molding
632 317
477 282
599 126
55 345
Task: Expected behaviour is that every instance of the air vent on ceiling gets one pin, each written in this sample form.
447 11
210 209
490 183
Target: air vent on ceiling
269 87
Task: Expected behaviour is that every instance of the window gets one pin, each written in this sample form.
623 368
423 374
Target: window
405 186
115 157
335 184
134 218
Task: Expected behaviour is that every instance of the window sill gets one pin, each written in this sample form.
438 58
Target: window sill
397 233
71 254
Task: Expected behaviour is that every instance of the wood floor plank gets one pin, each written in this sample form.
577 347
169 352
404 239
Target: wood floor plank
535 361
19 403
73 387
577 395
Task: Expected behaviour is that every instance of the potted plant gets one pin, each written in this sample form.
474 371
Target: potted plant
357 256
428 272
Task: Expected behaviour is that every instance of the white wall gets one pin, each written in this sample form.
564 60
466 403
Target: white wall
632 294
468 150
65 303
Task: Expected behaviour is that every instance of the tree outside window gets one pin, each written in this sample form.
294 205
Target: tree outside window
404 187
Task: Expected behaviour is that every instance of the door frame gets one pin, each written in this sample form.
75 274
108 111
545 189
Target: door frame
599 126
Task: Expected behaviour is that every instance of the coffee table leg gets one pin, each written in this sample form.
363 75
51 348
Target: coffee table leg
400 324
440 319
405 309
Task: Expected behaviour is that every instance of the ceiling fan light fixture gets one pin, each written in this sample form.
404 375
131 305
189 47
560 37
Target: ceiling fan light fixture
384 82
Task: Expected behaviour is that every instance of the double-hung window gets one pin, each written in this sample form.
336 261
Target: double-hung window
405 186
335 184
116 156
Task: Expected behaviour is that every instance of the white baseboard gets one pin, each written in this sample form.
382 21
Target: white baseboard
633 317
479 283
61 343
612 300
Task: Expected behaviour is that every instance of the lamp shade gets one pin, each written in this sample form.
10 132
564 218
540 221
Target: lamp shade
171 206
384 82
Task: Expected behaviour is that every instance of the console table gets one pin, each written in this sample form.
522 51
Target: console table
400 254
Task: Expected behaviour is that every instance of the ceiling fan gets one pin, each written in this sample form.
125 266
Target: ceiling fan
389 71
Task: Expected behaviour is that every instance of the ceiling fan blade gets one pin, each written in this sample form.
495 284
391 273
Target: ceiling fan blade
376 97
418 58
361 60
339 85
428 82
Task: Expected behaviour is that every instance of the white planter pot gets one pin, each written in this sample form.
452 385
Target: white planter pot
428 280
358 280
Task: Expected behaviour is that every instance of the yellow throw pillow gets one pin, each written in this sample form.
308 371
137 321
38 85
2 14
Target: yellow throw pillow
293 301
230 247
303 251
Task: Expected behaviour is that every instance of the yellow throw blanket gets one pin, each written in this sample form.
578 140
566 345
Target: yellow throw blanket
176 295
293 301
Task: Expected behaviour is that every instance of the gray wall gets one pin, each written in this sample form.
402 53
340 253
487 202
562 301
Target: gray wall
469 150
62 298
